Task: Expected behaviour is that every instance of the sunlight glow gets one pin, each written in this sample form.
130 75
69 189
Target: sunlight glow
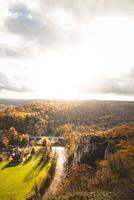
64 73
67 73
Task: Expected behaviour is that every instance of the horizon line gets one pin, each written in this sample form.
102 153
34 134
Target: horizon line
56 99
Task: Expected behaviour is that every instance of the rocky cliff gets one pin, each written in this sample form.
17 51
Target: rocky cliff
89 149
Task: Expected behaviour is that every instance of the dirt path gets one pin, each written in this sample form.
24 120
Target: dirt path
60 151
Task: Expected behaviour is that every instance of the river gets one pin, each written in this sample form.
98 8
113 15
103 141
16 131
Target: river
60 151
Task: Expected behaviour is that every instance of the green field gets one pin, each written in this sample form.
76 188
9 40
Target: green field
17 181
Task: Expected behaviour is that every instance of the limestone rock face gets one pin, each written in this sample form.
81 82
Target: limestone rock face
89 149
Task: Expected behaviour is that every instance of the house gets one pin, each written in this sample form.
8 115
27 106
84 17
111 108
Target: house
17 155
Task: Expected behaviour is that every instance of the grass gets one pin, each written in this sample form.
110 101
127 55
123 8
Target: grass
17 181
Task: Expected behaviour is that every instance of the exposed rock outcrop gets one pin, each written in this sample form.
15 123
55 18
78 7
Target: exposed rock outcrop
89 149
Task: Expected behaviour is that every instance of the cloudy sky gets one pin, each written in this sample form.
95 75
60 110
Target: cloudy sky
69 49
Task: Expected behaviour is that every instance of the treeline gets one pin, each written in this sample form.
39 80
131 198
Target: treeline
13 138
25 120
48 117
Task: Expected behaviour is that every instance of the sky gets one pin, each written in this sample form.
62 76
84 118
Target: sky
67 49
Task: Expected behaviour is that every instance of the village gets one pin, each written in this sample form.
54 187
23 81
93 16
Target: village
21 152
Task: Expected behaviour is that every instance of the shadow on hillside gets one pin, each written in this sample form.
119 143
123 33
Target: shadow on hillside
38 153
10 164
35 171
27 160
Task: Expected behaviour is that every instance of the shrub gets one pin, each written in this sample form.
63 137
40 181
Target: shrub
99 195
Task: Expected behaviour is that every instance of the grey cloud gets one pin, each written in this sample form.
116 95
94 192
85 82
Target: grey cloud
118 86
39 27
42 27
85 8
122 85
24 22
8 85
19 9
13 52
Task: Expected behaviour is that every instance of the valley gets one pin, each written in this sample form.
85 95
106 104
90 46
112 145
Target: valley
67 150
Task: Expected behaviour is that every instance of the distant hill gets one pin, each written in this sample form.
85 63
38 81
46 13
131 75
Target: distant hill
87 113
15 102
21 102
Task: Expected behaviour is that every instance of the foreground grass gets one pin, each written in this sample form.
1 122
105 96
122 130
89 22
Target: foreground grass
16 182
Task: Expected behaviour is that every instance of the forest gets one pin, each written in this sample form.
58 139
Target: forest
48 117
